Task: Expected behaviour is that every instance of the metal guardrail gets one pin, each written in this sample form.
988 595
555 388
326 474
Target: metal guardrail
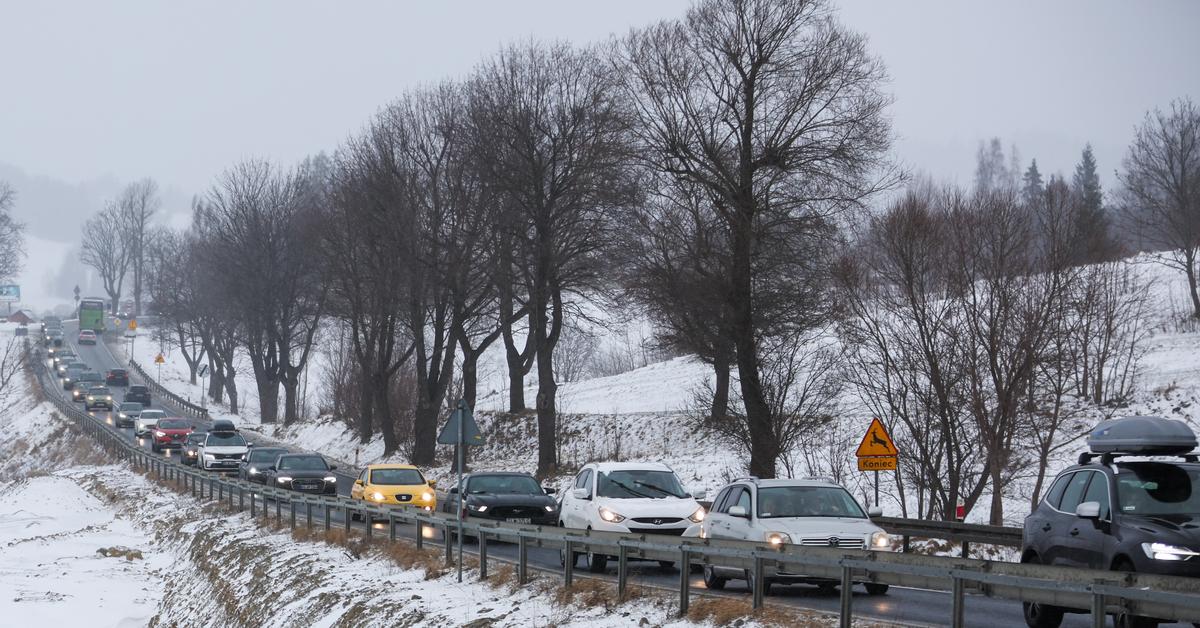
1100 592
188 408
953 531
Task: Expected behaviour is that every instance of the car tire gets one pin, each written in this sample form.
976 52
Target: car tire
766 585
597 563
666 565
1125 620
827 588
1040 615
712 580
875 588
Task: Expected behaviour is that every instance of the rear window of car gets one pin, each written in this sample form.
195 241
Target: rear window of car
173 424
153 414
138 389
131 406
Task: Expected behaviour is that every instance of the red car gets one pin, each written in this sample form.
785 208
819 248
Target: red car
170 433
87 337
117 377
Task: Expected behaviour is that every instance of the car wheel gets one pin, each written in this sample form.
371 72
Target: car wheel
827 588
766 585
1125 620
874 588
712 580
597 563
1040 615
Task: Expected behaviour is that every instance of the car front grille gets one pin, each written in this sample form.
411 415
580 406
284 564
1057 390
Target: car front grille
516 512
661 531
404 497
833 541
308 485
658 521
228 456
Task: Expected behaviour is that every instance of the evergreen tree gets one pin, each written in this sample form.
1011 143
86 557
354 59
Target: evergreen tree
1096 241
1087 183
1032 188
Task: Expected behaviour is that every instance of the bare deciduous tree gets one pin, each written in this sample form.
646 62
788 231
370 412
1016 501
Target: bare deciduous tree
137 205
105 248
12 235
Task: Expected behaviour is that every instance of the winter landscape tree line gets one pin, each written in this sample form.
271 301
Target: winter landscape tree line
727 175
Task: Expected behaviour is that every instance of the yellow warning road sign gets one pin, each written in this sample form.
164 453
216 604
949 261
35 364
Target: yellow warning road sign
132 325
159 359
876 442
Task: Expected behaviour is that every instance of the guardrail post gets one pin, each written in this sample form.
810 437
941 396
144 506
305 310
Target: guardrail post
278 510
846 620
391 527
220 491
483 574
253 510
905 542
346 520
756 596
327 517
966 549
241 499
522 560
449 544
957 609
368 523
568 563
684 571
1099 616
308 514
292 507
420 534
622 572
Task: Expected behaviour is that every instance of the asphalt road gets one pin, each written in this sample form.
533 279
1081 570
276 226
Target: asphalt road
901 605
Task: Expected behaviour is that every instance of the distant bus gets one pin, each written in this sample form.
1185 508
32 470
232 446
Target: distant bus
91 314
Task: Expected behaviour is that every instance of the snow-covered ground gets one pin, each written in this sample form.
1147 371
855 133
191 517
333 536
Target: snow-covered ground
642 413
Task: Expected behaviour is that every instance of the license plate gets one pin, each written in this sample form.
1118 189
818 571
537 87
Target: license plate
518 520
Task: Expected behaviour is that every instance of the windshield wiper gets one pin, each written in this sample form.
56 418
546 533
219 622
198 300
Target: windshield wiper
630 489
657 488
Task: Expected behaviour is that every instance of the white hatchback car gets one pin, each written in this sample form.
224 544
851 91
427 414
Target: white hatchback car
809 513
641 498
147 420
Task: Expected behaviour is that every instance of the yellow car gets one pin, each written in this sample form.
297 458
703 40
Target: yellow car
394 485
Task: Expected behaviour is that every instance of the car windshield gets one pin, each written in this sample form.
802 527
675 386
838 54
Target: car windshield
397 477
807 501
174 424
131 406
227 439
302 463
196 437
153 414
632 483
504 485
266 455
1156 489
98 390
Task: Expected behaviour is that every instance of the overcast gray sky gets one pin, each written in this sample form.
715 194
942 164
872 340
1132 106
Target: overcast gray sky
112 91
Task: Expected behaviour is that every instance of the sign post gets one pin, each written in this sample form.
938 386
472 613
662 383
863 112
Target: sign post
460 431
203 372
877 452
131 334
158 360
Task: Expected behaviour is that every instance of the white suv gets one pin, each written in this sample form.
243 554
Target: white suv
809 513
642 498
222 451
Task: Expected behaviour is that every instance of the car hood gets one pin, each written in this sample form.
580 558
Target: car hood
807 527
501 500
299 474
226 449
147 419
1184 529
643 507
175 431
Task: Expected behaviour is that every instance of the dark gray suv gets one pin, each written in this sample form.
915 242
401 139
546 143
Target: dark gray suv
1115 511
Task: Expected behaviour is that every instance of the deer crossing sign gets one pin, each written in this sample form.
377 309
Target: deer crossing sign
877 452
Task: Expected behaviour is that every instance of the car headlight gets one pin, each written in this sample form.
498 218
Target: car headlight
283 479
193 455
121 415
477 507
108 397
427 496
377 496
610 515
209 457
697 516
549 508
881 540
778 538
331 478
251 470
1162 551
160 434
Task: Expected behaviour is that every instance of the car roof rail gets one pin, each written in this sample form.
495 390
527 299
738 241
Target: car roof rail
748 478
819 478
1107 458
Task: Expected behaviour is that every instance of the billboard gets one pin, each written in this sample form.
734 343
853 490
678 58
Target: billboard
10 293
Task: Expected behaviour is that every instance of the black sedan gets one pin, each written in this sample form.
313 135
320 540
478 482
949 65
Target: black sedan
117 377
138 393
511 497
306 473
253 467
190 451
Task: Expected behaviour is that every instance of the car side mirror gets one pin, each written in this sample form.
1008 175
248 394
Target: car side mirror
700 494
1088 510
431 483
738 511
874 511
550 490
332 467
454 490
581 493
193 427
272 468
358 483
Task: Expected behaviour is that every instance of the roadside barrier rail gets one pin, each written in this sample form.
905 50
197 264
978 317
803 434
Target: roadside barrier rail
186 407
1099 592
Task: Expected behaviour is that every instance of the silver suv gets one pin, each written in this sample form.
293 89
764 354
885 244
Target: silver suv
812 513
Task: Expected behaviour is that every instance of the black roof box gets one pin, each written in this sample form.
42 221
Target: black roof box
1142 435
